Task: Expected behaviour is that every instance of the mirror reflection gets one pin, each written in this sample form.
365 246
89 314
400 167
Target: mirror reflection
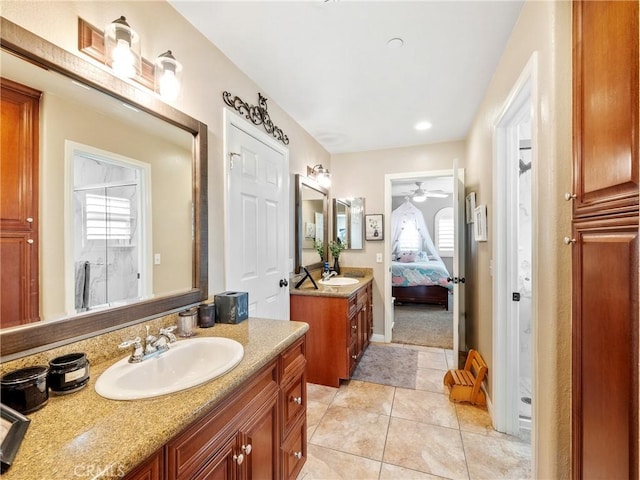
348 222
311 223
115 197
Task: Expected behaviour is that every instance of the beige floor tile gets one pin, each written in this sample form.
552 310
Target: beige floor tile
366 396
425 407
436 360
321 393
327 464
475 419
393 472
494 458
426 448
424 348
352 431
315 412
449 356
431 380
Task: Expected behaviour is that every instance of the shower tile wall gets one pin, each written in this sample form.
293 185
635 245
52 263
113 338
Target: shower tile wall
113 267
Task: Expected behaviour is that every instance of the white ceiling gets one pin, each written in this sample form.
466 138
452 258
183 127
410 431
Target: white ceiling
328 64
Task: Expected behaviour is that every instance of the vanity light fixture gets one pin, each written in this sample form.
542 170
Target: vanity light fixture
321 174
122 45
168 73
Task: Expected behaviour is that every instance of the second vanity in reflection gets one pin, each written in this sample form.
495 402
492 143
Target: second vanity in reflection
340 322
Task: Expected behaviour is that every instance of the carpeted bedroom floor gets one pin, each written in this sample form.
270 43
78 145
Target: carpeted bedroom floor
427 325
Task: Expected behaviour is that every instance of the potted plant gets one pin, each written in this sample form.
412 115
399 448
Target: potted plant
319 246
336 248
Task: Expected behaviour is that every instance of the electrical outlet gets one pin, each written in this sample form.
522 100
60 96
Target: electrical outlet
379 257
156 259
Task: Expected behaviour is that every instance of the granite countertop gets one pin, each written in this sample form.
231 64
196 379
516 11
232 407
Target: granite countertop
83 435
364 276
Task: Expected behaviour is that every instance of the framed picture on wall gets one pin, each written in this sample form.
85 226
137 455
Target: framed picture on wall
470 204
480 223
374 227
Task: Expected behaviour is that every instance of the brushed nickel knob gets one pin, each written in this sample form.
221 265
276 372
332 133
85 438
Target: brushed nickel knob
354 356
569 241
298 455
238 459
297 400
570 196
30 241
29 220
246 449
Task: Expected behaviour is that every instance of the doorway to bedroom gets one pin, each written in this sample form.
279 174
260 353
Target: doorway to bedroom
421 258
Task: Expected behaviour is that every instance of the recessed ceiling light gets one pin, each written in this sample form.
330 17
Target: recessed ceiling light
423 126
395 43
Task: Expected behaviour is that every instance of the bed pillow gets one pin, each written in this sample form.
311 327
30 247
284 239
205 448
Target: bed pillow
407 257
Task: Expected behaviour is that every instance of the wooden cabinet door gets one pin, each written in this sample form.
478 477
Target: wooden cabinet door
19 204
150 469
223 465
260 443
605 93
605 348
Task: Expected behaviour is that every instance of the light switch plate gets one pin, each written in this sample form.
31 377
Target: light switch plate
156 259
379 257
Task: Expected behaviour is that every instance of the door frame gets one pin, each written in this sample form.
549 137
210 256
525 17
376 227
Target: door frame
504 404
230 118
388 303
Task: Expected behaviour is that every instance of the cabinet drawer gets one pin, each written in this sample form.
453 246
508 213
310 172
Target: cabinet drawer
294 450
353 305
294 402
293 360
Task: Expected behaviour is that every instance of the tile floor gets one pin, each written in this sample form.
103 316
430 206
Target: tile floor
368 431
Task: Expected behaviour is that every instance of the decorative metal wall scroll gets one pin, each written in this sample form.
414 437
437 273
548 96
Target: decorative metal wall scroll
257 114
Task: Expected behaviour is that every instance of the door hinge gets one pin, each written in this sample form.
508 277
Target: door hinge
515 296
231 155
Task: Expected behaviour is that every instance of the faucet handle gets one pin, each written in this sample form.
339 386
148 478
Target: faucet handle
168 329
168 333
136 342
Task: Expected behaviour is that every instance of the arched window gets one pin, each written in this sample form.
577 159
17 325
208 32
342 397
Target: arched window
444 231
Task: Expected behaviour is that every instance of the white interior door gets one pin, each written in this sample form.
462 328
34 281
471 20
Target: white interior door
257 225
459 220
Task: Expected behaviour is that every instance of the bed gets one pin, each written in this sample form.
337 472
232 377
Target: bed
420 280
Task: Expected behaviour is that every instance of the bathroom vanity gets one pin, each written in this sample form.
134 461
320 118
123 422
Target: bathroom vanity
340 322
248 423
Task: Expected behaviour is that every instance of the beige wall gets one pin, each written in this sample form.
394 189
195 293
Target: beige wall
543 27
207 73
362 175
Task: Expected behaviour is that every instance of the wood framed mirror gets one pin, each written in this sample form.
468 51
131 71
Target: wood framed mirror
21 45
312 208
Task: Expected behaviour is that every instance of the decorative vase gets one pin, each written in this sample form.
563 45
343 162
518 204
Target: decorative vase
336 265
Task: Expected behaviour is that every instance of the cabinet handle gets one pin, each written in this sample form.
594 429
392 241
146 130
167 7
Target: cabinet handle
238 459
354 327
570 196
569 241
247 449
354 356
298 455
29 220
297 400
30 241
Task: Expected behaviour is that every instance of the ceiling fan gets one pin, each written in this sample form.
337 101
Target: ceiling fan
420 194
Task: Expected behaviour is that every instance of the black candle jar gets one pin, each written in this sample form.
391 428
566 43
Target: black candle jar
25 389
68 373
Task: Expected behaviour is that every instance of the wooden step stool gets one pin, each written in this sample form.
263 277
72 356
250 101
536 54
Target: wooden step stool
464 385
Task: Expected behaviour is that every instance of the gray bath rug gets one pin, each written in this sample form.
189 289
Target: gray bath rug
427 325
387 365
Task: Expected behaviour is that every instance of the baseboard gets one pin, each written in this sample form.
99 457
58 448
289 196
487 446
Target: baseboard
376 337
489 405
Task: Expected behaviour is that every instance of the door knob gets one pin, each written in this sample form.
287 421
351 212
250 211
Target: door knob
456 279
284 282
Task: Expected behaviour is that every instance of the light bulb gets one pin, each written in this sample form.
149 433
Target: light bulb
169 85
123 60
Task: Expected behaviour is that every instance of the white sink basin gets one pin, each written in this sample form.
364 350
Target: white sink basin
186 364
338 281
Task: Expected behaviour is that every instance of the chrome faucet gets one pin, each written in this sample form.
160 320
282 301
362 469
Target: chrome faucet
329 274
152 345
